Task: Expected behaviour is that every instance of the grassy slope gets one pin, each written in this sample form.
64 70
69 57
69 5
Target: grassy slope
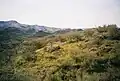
89 55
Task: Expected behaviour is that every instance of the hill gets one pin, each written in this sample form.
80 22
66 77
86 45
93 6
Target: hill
88 55
13 33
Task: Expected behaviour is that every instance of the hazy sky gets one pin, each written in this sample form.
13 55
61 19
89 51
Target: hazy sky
62 13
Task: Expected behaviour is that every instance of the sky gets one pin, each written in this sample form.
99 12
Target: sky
62 13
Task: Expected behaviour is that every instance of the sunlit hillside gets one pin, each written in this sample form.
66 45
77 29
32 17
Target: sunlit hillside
78 55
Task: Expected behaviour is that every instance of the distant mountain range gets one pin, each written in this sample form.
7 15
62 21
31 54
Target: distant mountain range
26 28
15 30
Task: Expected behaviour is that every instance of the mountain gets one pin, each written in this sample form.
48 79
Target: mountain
25 27
40 53
87 55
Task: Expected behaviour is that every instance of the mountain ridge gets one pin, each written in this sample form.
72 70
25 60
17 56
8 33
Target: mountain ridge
13 23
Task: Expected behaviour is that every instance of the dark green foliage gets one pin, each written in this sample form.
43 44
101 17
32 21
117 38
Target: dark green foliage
41 34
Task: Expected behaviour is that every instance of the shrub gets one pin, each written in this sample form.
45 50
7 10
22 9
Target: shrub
113 32
20 60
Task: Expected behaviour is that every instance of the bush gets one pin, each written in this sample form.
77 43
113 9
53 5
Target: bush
113 32
20 60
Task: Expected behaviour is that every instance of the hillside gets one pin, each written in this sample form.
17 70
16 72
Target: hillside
88 55
13 33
